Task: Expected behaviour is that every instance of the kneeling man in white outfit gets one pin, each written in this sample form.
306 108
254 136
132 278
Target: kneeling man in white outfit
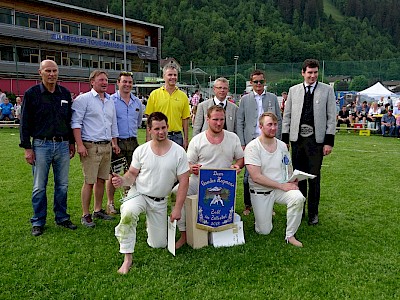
268 161
156 166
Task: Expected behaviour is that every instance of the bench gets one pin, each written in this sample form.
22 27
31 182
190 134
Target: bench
8 124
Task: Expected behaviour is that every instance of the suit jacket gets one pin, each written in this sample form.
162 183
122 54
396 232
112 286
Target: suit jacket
324 108
200 121
247 116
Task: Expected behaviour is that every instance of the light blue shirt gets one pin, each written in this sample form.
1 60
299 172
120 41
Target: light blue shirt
129 117
96 119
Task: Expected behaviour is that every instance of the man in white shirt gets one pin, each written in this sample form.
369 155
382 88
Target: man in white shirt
156 166
214 148
268 161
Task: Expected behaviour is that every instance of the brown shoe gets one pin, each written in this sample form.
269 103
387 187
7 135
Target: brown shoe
111 209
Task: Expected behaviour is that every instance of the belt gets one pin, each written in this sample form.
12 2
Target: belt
132 138
54 139
260 193
174 132
97 143
156 199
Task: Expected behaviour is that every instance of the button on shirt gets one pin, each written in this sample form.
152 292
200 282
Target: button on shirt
260 109
129 117
96 118
45 114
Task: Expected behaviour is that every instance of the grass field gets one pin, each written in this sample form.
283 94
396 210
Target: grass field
352 254
330 9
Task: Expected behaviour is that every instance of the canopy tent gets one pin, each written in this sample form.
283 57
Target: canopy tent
376 91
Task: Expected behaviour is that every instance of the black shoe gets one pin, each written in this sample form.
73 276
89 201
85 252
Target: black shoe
37 230
68 224
313 220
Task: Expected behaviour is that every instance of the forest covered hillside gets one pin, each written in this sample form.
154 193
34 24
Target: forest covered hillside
269 31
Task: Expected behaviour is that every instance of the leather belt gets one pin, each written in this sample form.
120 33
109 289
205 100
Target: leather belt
54 139
174 132
156 199
132 138
260 193
97 143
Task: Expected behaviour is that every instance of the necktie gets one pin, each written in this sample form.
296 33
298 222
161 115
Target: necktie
222 104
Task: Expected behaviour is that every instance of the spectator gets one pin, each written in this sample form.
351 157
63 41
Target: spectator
17 109
388 123
343 117
396 110
7 110
284 98
2 96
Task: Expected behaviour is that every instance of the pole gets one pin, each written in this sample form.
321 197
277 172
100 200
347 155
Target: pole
236 57
124 33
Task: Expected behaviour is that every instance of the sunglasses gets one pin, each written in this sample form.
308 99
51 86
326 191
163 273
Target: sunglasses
258 81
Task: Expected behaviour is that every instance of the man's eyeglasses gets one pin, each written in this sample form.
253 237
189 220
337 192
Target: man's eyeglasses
125 73
258 81
221 88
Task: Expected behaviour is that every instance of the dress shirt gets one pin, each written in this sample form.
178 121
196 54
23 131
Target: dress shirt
260 109
96 118
129 117
45 114
312 86
217 102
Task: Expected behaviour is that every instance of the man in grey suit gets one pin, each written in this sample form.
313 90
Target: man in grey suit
309 123
251 107
221 89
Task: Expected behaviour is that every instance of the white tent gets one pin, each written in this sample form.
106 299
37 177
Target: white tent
376 91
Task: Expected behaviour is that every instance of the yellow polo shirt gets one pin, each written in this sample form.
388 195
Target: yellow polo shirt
174 106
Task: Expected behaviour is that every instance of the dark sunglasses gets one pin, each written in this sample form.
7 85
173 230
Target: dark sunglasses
258 81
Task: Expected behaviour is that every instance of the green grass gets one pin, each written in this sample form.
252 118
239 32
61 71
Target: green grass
330 9
353 253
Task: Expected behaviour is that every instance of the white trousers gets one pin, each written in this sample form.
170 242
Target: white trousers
263 206
156 219
192 190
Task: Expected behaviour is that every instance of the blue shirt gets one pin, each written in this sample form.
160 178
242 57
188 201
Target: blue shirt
388 119
6 108
129 117
96 118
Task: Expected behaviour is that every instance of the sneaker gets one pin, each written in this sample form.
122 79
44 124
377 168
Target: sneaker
111 209
37 230
68 224
101 214
87 221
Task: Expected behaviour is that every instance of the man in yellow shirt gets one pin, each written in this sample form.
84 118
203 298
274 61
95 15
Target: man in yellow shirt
174 103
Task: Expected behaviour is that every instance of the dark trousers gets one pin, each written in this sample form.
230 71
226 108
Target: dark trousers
307 156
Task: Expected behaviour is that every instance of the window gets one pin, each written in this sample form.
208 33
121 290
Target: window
49 26
24 54
85 60
74 59
34 58
147 40
51 54
118 38
6 53
64 28
95 64
94 33
89 30
23 19
118 67
5 15
107 65
33 23
107 36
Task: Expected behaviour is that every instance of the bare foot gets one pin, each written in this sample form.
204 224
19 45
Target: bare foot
126 265
292 240
181 241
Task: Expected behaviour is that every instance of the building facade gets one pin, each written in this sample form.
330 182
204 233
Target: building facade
79 40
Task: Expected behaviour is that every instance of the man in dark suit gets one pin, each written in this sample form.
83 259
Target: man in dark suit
251 107
309 123
221 89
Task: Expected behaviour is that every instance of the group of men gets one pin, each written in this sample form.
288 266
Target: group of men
253 135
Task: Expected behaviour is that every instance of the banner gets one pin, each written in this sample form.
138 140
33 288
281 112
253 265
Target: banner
216 199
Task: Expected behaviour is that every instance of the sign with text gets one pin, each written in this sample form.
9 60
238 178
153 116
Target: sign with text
216 199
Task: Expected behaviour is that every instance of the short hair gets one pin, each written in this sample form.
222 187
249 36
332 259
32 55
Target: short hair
156 116
267 114
171 66
124 73
344 106
310 63
96 73
214 108
365 102
284 93
222 79
256 72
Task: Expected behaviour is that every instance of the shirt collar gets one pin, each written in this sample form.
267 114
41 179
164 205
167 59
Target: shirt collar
44 89
256 94
216 101
96 94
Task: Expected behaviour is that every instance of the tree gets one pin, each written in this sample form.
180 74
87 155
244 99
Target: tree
341 85
359 83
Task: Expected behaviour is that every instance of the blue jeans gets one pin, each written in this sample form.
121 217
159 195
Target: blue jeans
50 153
